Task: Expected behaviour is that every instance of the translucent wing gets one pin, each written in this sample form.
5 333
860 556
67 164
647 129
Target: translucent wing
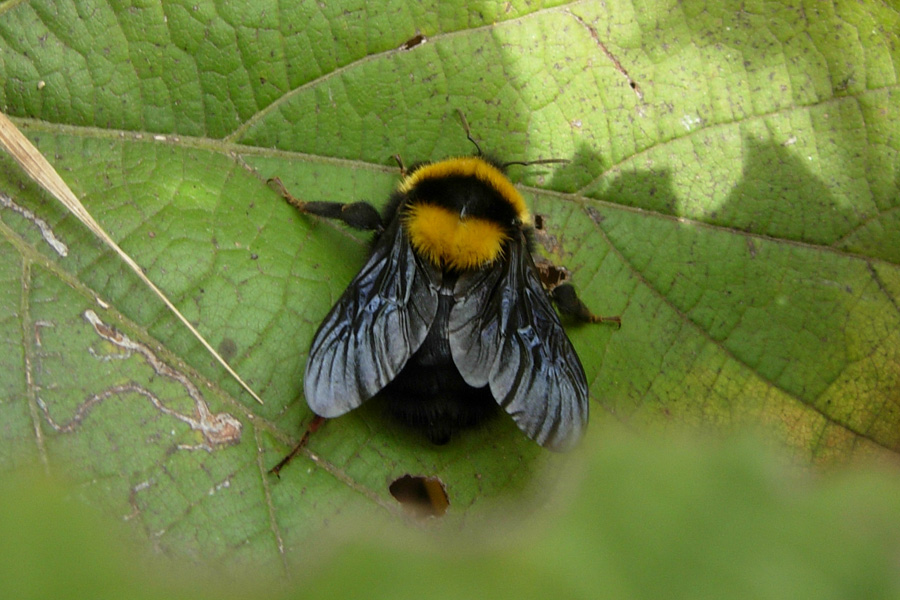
377 324
504 332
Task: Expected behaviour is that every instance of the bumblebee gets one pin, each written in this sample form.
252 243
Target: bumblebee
448 318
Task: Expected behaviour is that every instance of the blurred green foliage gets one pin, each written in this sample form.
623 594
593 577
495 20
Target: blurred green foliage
662 517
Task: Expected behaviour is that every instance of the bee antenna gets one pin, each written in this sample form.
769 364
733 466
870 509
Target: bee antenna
465 125
543 161
524 163
400 164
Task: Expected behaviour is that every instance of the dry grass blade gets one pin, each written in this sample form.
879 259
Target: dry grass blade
37 167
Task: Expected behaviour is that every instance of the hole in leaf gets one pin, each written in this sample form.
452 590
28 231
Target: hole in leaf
421 496
413 42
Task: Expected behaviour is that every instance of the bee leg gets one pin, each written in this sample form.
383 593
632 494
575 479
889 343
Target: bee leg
359 215
569 303
311 429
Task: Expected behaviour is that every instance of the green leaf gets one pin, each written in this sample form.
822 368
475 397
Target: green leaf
732 193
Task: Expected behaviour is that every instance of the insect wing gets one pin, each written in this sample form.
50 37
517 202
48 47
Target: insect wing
379 321
504 332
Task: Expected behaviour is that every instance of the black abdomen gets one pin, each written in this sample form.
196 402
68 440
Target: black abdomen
429 394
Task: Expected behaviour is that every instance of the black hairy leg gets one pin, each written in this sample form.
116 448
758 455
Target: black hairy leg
313 426
569 303
358 215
